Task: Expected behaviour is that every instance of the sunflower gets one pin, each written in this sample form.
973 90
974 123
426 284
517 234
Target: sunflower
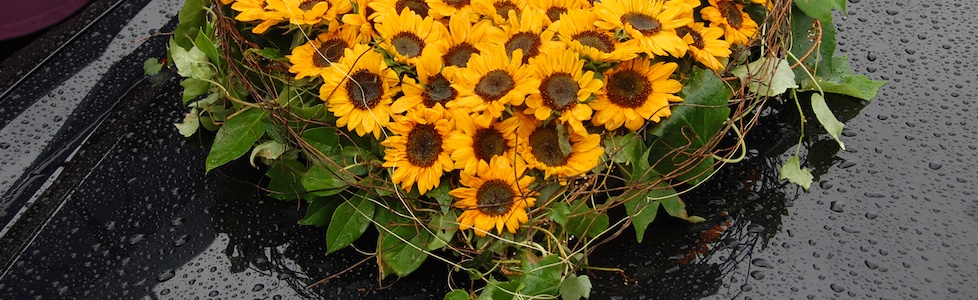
315 57
407 34
452 8
498 10
635 91
492 80
463 40
308 12
564 88
648 22
497 197
542 150
526 33
476 142
432 89
555 8
705 44
737 25
416 150
577 30
226 2
254 10
383 8
358 91
362 17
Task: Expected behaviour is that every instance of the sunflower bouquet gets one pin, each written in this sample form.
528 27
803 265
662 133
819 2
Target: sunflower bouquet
496 135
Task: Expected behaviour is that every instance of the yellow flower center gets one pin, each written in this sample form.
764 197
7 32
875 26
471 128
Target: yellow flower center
328 52
645 24
495 197
554 13
504 7
487 143
459 55
457 3
730 12
494 85
545 146
417 6
698 41
364 90
559 91
309 4
628 88
438 90
423 145
407 44
596 40
527 41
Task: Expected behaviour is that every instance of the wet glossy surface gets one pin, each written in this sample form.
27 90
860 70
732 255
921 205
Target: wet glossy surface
133 215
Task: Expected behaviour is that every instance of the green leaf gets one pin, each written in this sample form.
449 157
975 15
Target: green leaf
267 150
767 76
323 139
820 9
540 276
444 227
575 288
691 126
804 33
792 171
323 181
642 210
191 121
284 180
205 45
399 257
440 193
193 87
192 17
457 295
559 213
838 79
190 63
152 66
499 290
677 208
827 118
349 222
586 222
235 138
319 211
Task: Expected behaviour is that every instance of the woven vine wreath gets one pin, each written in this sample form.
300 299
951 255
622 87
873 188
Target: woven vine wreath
496 135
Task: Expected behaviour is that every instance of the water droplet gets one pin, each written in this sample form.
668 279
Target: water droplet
166 275
934 166
137 238
871 56
213 294
762 263
4 145
837 206
825 185
757 275
871 215
181 240
177 221
871 265
258 287
837 288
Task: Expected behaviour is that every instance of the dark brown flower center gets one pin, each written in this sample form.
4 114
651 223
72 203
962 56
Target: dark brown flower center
329 52
495 197
628 88
559 91
365 89
545 146
527 41
407 44
554 13
438 90
309 4
645 24
698 41
596 40
494 85
423 145
417 6
459 55
730 12
487 143
504 7
457 3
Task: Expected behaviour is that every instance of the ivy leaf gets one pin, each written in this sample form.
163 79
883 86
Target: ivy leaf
191 121
540 276
444 227
235 138
319 211
559 213
457 295
575 288
499 290
190 63
805 31
193 87
677 208
284 179
642 210
838 79
827 118
767 76
397 256
691 126
348 223
792 171
586 222
267 150
152 66
820 9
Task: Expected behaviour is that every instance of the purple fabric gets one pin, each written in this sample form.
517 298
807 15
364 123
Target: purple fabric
23 17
